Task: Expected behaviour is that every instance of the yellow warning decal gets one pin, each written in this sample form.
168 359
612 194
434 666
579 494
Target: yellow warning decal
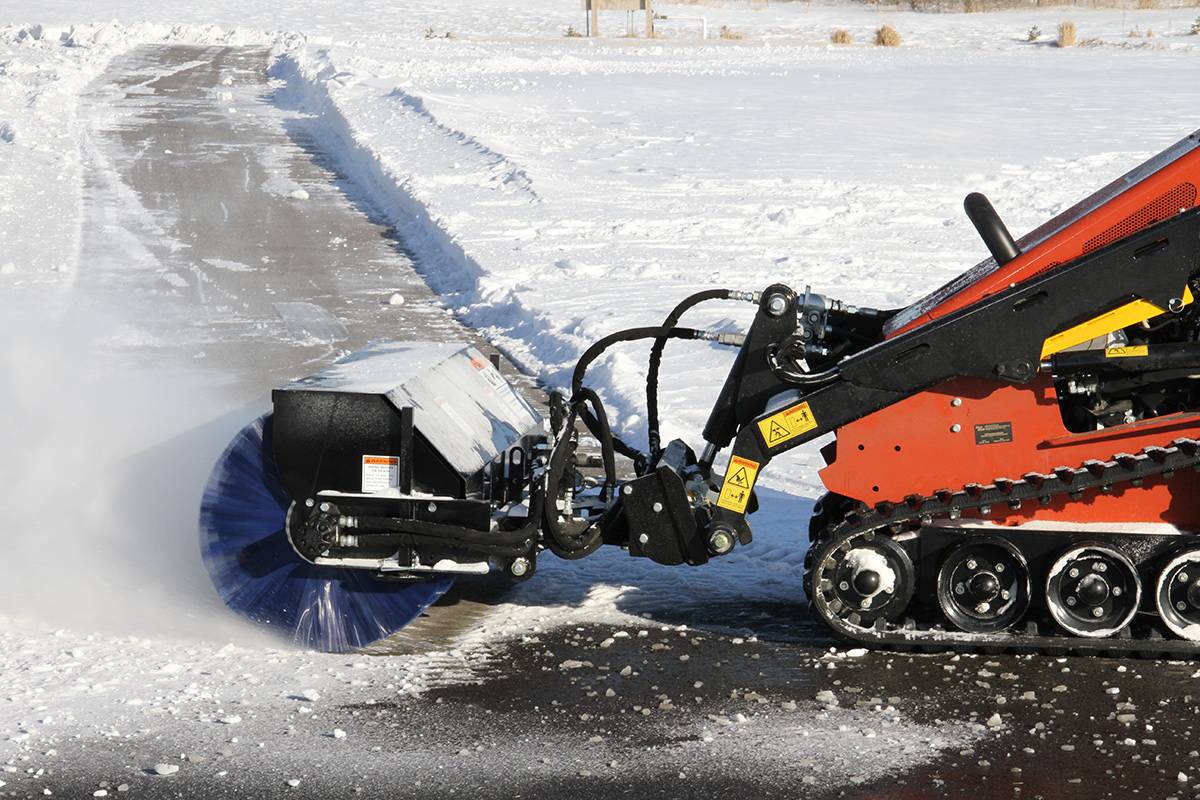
739 480
787 424
1129 351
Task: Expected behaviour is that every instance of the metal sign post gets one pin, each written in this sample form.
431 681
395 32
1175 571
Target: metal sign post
594 7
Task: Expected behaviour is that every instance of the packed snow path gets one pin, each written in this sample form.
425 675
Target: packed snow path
212 210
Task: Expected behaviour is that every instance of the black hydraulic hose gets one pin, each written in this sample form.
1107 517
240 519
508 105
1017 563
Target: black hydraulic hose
388 526
571 545
806 378
604 435
656 351
593 352
627 335
507 543
561 543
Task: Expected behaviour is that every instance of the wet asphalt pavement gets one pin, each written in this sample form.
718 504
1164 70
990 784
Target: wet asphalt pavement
212 193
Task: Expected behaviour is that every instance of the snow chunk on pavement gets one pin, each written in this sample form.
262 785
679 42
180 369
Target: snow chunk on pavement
166 769
572 663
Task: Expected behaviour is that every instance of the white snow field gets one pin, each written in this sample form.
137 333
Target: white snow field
552 189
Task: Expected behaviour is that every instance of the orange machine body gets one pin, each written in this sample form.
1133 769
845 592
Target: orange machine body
944 437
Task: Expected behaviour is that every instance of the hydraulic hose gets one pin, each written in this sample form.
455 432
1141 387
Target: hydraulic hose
503 543
593 352
656 351
576 544
565 544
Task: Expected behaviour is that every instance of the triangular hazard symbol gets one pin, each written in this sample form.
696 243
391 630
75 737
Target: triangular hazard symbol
778 432
739 478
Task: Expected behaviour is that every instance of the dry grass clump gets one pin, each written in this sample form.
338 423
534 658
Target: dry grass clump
572 33
840 36
1145 4
1067 34
729 33
1033 34
887 36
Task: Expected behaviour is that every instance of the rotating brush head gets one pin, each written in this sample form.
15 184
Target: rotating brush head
258 575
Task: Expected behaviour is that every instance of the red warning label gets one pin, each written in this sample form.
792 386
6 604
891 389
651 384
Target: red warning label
380 473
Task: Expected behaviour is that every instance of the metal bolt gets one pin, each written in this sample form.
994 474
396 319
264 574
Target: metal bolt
1074 573
971 564
960 589
310 502
627 489
1117 591
1004 594
432 507
1175 304
956 402
1182 578
643 538
866 603
657 507
1101 567
955 428
844 586
776 305
1097 612
720 542
1070 601
982 608
999 568
324 506
519 566
1182 606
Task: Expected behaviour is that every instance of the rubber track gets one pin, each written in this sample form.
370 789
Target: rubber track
892 518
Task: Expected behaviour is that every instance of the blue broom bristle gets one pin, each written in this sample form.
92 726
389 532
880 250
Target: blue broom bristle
258 575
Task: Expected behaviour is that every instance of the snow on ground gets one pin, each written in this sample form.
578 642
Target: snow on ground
555 189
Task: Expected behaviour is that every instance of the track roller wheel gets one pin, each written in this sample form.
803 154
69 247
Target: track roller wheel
1177 594
983 585
860 579
259 575
1093 590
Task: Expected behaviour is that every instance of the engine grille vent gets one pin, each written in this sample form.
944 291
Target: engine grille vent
1180 198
